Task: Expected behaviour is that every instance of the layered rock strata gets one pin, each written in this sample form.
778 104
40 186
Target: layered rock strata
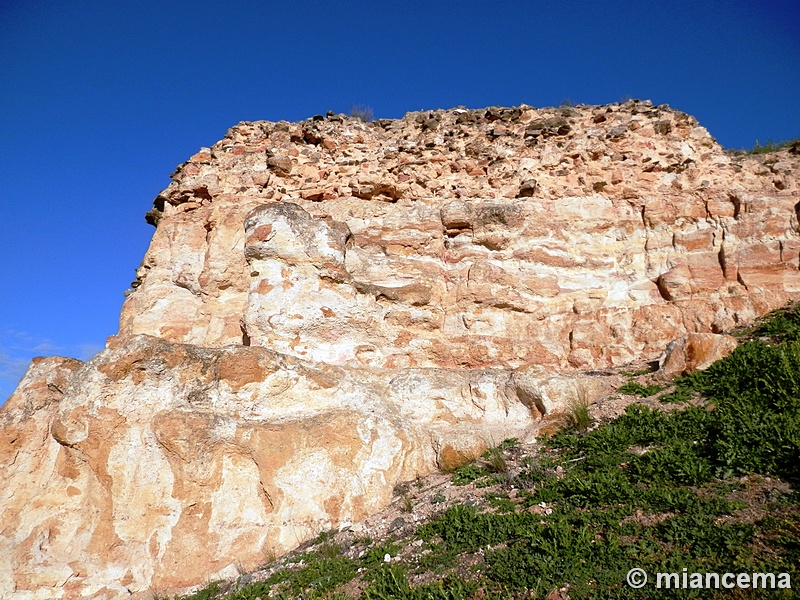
159 464
568 237
330 307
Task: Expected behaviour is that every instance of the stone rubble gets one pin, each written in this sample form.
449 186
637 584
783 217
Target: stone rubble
470 238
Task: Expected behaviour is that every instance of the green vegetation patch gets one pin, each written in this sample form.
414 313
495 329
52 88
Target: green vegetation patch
781 325
468 473
637 389
771 146
660 490
319 574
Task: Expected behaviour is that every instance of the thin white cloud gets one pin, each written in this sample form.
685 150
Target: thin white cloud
12 368
46 348
22 341
88 351
17 348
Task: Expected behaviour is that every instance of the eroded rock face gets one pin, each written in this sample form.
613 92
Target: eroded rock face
163 463
331 307
578 237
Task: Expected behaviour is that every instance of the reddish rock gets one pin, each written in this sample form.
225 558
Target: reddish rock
695 352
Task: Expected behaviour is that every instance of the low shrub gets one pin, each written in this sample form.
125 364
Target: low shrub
578 411
362 112
770 146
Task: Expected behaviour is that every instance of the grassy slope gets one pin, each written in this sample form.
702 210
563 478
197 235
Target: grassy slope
709 487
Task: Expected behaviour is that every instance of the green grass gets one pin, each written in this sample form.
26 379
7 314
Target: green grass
770 146
492 462
637 389
406 502
780 326
702 488
578 411
209 592
468 473
495 460
320 574
636 373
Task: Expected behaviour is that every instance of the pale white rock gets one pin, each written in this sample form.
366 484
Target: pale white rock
128 499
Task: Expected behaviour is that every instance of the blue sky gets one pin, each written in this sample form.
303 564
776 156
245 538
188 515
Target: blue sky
100 101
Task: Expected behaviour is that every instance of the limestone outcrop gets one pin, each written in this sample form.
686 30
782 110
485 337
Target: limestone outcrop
331 307
575 237
159 463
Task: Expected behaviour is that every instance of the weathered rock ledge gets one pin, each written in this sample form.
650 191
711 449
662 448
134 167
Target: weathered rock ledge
330 307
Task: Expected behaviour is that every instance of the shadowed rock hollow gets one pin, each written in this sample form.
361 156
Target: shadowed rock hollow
330 307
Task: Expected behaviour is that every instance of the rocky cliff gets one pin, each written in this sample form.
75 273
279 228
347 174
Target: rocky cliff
331 307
